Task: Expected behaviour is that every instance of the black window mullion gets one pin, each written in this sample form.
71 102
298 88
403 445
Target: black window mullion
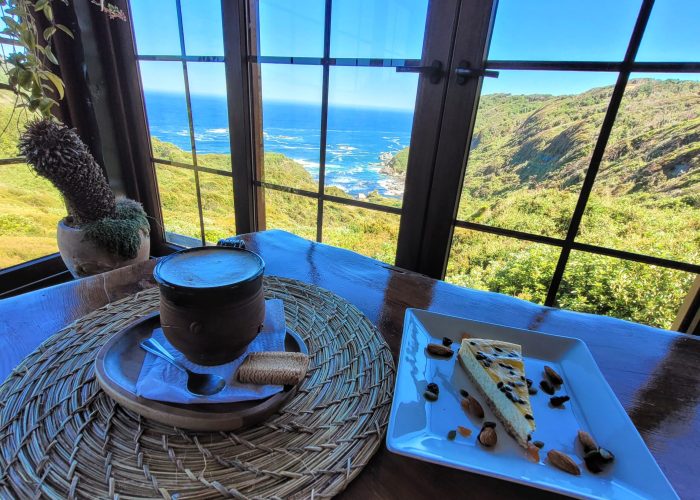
601 144
188 101
324 119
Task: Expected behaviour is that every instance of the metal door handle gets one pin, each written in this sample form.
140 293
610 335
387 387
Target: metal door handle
464 72
434 71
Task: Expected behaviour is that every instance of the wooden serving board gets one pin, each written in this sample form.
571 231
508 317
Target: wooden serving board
117 369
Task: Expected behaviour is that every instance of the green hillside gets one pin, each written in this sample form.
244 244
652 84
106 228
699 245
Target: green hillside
528 159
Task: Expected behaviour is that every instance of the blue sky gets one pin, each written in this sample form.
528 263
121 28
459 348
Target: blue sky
537 30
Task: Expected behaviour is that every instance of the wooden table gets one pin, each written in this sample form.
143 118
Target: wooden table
655 373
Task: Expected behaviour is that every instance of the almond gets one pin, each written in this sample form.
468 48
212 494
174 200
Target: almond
587 441
439 350
488 437
564 462
475 407
465 335
553 376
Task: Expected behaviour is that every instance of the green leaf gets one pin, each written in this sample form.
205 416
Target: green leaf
24 78
65 29
49 55
40 5
48 12
57 82
49 32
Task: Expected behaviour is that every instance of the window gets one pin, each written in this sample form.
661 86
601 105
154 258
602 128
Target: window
184 85
570 180
337 118
580 189
30 207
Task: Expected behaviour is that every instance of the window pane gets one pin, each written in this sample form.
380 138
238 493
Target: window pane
505 265
210 114
629 290
369 129
534 135
364 231
30 208
645 198
293 213
292 124
390 29
201 24
291 28
155 27
166 109
178 201
563 30
672 32
217 206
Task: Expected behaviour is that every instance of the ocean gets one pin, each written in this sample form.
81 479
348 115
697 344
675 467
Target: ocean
358 139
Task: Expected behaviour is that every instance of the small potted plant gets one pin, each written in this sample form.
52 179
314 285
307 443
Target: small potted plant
100 232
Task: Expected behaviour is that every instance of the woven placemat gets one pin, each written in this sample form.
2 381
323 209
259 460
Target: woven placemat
62 436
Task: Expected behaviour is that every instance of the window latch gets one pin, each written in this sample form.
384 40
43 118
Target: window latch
464 72
434 71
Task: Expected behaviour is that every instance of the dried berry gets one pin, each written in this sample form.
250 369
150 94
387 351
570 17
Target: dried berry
433 387
452 435
533 452
529 382
430 396
553 376
463 431
488 423
463 393
564 462
597 459
488 437
557 401
547 387
529 417
531 391
439 350
539 444
446 341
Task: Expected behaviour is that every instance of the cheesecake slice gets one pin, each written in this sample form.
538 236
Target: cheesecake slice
498 371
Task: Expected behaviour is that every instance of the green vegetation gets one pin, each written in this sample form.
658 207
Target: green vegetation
528 159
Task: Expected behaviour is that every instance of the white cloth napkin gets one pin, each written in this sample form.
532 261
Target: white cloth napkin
162 381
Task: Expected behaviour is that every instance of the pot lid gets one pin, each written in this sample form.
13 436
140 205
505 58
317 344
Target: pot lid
208 267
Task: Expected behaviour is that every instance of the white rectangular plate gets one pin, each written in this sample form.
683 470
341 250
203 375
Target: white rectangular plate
418 428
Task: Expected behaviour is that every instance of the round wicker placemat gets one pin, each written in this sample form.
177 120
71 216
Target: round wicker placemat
61 436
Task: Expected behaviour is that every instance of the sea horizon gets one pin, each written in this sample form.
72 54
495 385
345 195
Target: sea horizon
359 139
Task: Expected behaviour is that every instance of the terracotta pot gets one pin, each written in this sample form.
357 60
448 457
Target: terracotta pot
211 302
85 258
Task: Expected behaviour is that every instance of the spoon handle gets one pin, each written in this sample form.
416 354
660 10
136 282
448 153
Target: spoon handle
154 347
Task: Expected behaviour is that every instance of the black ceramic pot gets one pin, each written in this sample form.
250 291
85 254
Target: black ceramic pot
211 301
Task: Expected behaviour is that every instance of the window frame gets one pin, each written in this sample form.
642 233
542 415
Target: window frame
435 176
450 168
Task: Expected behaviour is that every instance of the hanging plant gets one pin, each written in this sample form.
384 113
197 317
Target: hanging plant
30 73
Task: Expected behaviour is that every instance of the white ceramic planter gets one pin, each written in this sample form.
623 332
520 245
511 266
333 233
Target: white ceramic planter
85 258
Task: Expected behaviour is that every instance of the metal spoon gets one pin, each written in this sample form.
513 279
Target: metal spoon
199 384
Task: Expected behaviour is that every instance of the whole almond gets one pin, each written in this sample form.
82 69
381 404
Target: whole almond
587 441
563 461
488 437
439 350
553 376
475 407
